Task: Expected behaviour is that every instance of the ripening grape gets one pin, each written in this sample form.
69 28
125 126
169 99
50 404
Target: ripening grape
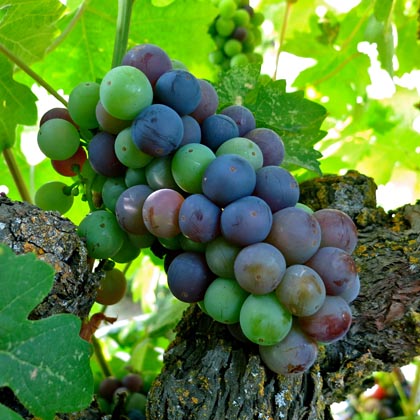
111 190
71 166
270 143
244 147
220 256
51 196
112 287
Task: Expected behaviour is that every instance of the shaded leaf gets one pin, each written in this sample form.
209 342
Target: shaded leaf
7 414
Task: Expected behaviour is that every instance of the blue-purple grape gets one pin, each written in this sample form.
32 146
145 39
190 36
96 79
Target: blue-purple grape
242 116
270 143
216 129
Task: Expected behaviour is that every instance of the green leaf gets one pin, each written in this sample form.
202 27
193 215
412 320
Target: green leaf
383 9
18 105
27 27
7 414
45 362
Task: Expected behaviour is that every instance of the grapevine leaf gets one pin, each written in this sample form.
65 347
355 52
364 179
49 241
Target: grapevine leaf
6 413
25 27
18 105
45 362
383 9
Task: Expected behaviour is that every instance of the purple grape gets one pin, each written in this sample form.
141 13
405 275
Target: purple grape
259 268
158 130
208 103
199 218
227 178
192 130
277 187
270 143
242 116
178 89
337 229
246 221
189 276
336 268
102 155
352 291
109 123
296 234
330 323
216 129
128 209
150 59
295 354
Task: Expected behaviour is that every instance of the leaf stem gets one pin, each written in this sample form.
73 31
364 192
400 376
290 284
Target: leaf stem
15 59
100 357
282 36
17 175
121 34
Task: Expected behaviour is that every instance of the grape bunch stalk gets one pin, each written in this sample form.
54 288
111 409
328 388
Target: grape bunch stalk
162 168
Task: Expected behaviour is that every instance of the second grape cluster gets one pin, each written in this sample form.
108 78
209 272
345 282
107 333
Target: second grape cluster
161 168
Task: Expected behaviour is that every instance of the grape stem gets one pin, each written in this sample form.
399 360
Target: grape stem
100 357
11 163
23 66
121 34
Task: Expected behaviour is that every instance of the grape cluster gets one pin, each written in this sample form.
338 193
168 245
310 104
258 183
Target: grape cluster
126 395
236 32
205 191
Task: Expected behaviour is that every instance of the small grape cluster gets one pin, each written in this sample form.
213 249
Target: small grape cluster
125 396
236 32
205 191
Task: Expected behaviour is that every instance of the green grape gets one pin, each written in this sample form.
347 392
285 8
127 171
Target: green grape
51 196
188 166
82 104
241 17
216 57
224 26
257 19
223 300
128 153
128 252
188 244
111 190
264 320
58 139
159 175
112 287
239 60
220 257
135 177
227 8
232 47
244 147
125 91
102 234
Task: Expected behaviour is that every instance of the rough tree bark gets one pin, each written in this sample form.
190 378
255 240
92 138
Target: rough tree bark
208 374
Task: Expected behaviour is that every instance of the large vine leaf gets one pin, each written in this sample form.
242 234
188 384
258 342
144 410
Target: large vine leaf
296 119
6 413
17 105
45 362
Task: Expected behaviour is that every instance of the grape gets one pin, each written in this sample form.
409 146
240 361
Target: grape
59 113
133 382
108 386
161 212
337 229
238 60
159 174
199 218
150 59
189 276
224 26
111 190
223 300
102 157
242 116
301 290
158 130
246 221
102 234
240 33
142 241
125 91
336 268
128 252
178 89
244 147
305 208
352 290
220 256
277 187
58 139
71 166
109 123
216 129
188 244
241 18
112 287
259 268
134 414
295 233
264 320
136 401
330 323
270 143
128 209
227 178
192 130
227 8
237 333
208 103
189 164
51 196
295 354
127 152
135 177
232 46
82 104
